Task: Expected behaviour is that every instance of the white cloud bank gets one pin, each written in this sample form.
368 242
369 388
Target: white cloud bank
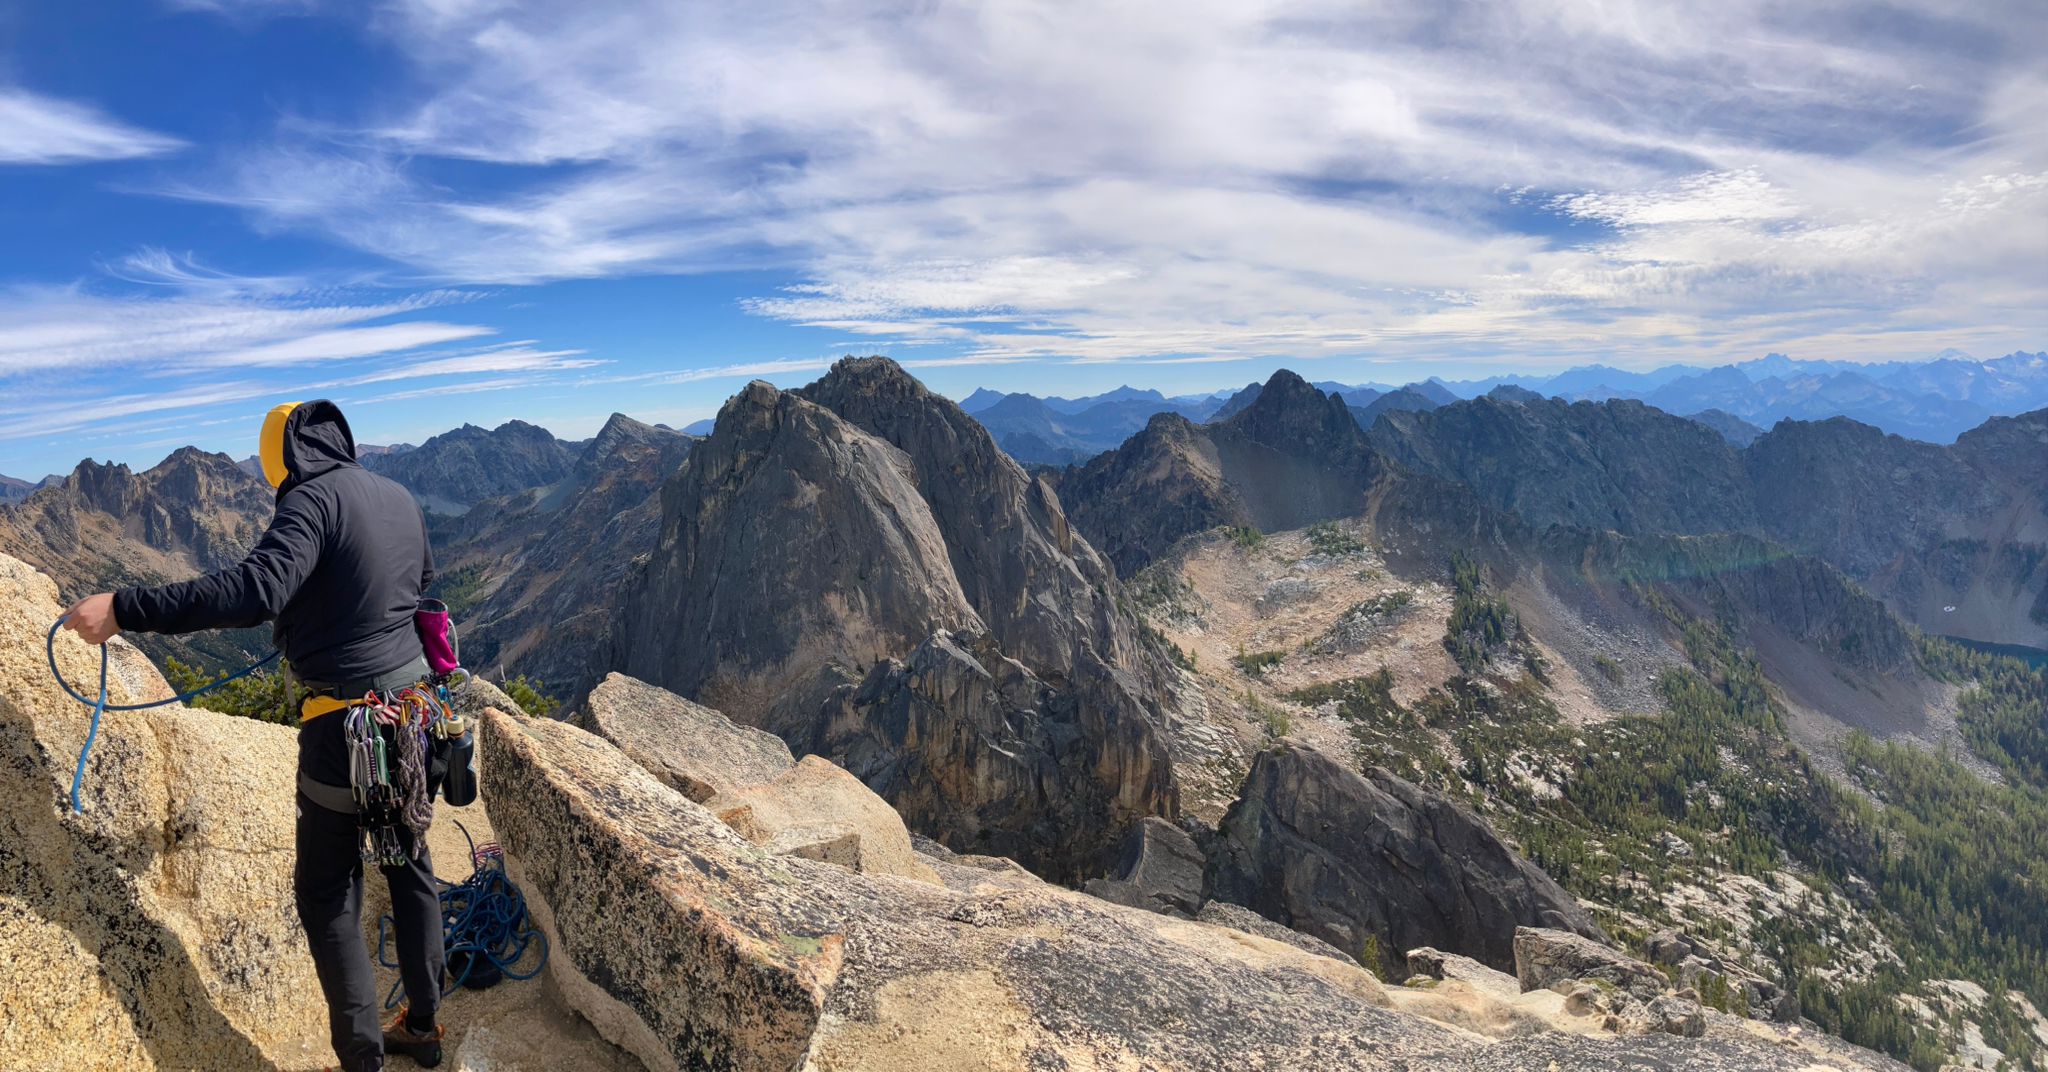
35 129
1546 179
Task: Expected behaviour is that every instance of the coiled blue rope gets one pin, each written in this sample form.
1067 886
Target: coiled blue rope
100 706
483 921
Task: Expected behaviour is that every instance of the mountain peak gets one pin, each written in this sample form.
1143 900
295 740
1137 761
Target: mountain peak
193 457
621 432
1287 380
1291 411
618 427
873 375
1285 391
981 399
1509 392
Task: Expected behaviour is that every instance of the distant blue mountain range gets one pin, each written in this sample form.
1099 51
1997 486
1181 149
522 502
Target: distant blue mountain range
1066 431
1934 400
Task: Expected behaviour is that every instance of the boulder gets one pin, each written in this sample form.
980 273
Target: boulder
1675 1015
1699 967
696 750
1374 862
1437 964
1545 957
1240 918
156 929
820 812
1770 1001
470 697
1669 947
1160 869
1582 999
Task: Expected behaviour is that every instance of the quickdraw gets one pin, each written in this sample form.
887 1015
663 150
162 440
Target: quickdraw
389 755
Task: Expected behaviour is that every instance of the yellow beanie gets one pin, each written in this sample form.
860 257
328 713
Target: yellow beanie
272 448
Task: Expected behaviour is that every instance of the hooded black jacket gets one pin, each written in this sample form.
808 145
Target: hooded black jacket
340 570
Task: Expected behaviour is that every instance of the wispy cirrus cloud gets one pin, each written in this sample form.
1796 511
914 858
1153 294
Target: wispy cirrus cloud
186 337
515 358
35 129
72 327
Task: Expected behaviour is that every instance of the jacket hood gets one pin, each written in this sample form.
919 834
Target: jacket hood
316 440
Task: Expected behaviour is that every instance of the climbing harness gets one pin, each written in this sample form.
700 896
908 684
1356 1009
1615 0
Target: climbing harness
101 706
485 928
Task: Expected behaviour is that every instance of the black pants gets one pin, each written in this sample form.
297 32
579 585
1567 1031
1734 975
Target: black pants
327 882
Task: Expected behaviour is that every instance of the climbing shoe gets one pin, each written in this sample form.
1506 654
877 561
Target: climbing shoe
423 1047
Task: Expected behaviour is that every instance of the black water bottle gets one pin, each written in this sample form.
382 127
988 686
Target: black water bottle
459 786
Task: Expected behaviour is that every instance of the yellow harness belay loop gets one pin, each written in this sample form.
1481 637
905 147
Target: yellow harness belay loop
315 706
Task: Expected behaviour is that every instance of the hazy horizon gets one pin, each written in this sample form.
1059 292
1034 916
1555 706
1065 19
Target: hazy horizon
237 438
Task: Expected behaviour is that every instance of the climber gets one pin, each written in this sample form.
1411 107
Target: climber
340 571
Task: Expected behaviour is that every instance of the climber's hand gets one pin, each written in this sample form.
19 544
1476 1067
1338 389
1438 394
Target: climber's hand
92 618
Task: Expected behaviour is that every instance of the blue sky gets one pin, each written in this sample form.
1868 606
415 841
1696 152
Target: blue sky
438 211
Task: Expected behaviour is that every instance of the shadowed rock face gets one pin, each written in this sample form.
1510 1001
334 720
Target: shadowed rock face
788 540
1164 483
1616 465
549 565
1357 860
1160 869
1858 497
1042 591
1738 432
1954 538
1752 583
865 531
985 756
14 489
1929 528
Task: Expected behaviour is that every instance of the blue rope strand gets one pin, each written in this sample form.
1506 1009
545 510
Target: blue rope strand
92 734
101 706
483 916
